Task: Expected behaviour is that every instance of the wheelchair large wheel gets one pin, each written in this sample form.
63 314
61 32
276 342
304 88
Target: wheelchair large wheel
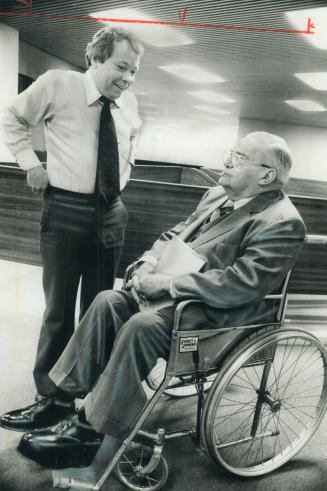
181 386
135 458
266 403
185 386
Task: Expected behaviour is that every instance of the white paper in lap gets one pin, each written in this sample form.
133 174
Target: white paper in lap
178 258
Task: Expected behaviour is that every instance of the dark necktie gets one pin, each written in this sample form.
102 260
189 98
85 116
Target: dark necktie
107 180
226 210
221 212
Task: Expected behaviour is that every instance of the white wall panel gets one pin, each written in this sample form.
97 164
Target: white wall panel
9 42
307 143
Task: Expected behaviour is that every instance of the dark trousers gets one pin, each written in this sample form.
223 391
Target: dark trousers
113 350
80 238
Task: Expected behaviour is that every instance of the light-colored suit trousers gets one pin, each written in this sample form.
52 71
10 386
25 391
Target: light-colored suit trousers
110 354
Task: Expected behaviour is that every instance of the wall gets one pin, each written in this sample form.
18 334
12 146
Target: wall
187 145
33 61
202 145
19 57
205 146
9 40
307 143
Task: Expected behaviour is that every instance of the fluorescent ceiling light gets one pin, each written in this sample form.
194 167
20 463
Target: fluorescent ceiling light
211 110
211 96
299 19
153 34
306 105
192 73
316 80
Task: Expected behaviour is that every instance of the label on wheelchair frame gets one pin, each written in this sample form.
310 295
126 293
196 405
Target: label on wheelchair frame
188 344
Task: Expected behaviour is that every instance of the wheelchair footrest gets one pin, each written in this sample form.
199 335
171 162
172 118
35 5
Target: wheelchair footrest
76 484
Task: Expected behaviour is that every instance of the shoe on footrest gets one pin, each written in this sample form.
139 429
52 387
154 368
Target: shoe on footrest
71 443
42 414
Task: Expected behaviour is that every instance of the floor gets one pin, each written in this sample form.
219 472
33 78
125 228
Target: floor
21 306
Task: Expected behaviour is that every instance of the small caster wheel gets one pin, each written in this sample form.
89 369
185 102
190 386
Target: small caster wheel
135 458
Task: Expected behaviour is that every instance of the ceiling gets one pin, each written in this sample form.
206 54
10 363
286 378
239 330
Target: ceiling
257 67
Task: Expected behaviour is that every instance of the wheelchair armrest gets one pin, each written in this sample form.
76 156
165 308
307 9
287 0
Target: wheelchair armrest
274 296
179 310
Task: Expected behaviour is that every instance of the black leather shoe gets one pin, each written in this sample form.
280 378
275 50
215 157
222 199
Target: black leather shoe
44 413
71 443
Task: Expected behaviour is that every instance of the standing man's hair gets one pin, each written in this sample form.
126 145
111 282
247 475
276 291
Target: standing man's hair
103 42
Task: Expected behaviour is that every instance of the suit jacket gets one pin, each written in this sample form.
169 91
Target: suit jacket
248 253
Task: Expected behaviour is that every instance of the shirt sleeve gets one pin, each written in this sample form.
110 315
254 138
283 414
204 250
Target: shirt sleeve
30 108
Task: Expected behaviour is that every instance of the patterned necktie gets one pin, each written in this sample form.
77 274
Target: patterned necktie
107 180
220 212
227 208
223 211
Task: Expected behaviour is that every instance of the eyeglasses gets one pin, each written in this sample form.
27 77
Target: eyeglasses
232 159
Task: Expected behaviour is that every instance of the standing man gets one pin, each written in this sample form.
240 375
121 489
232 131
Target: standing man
91 124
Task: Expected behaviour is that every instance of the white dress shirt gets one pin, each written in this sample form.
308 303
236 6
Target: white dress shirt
242 202
67 103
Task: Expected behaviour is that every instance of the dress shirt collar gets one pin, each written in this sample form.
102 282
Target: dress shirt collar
91 91
241 202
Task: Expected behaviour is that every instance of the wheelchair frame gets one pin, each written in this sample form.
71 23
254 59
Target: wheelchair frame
245 349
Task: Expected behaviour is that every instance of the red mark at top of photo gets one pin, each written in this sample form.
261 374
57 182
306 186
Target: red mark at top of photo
25 3
182 14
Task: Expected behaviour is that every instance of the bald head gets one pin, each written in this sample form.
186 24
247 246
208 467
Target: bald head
272 150
260 162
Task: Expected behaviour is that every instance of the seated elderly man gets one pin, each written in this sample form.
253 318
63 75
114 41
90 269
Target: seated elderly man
247 252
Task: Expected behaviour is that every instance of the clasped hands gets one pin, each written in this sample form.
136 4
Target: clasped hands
147 285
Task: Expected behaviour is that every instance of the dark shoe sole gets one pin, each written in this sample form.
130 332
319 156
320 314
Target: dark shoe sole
21 430
28 429
33 427
60 458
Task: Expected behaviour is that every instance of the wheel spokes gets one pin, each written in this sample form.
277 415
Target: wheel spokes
289 402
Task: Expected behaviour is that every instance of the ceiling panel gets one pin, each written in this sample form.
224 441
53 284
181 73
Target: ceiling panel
258 67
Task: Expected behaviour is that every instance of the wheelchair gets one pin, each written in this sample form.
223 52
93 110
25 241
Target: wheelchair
261 397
